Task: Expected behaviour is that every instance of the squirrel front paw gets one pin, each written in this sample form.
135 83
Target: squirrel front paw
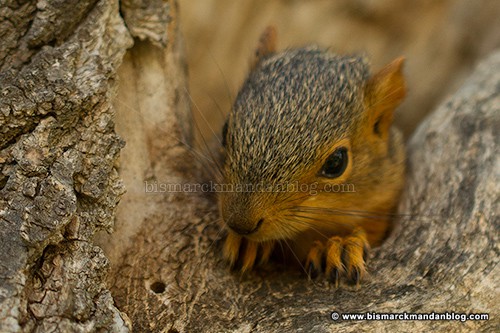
340 256
244 252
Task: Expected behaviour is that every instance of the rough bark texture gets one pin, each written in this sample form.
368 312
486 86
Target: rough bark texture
153 117
59 180
442 259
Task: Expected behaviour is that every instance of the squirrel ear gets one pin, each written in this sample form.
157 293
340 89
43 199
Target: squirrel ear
266 46
384 91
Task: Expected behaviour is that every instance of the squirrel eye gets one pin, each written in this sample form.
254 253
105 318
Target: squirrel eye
335 164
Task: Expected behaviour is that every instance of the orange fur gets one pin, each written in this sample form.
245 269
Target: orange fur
267 45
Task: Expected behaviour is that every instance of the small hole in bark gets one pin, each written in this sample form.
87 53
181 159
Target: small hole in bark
173 330
158 287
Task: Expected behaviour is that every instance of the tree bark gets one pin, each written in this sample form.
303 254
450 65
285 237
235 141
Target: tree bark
62 90
59 180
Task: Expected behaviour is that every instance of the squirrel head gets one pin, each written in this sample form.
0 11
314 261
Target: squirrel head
306 124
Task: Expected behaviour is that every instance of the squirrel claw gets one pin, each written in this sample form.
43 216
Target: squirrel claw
249 256
334 266
242 254
355 276
354 253
267 249
232 248
312 271
314 259
333 277
343 256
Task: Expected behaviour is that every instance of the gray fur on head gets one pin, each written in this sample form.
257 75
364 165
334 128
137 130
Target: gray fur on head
292 104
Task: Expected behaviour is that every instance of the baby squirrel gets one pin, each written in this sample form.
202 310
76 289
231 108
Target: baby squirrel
312 119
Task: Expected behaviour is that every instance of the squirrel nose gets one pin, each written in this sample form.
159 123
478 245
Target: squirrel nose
244 229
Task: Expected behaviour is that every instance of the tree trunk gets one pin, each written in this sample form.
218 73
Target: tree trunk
62 92
59 179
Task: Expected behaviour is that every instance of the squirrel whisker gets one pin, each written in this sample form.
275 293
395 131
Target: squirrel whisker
203 117
213 159
200 157
295 255
314 221
339 212
284 200
310 225
230 96
360 213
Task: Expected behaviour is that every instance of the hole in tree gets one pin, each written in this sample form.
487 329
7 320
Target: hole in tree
158 287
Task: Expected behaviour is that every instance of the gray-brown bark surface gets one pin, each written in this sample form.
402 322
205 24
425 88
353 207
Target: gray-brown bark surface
59 181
